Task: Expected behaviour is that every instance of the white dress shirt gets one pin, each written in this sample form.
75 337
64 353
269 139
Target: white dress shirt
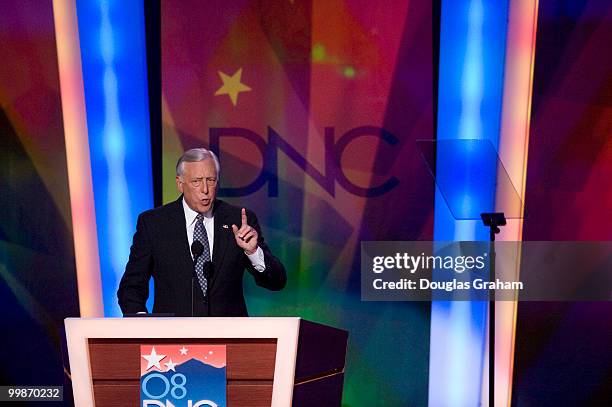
257 258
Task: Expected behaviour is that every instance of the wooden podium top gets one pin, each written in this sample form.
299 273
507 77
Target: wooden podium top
301 350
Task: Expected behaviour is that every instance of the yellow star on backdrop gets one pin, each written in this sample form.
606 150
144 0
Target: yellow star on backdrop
232 86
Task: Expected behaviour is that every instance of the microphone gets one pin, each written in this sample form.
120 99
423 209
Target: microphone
197 248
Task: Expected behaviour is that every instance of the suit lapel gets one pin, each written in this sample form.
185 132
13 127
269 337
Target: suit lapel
221 240
180 232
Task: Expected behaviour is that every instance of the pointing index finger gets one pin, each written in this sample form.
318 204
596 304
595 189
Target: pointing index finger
244 217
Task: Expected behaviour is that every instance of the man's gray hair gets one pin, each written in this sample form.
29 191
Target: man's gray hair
195 155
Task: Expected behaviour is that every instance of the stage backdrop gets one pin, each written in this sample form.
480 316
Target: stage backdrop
37 267
314 108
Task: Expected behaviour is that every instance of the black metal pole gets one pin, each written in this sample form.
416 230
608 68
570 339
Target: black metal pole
493 221
492 320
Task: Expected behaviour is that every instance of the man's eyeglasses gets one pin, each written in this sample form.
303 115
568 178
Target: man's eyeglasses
196 183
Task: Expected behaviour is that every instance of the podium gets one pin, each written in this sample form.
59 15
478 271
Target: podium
270 361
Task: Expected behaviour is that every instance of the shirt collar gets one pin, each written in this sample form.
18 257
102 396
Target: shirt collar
190 214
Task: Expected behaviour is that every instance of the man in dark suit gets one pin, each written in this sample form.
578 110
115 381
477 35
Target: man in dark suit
172 244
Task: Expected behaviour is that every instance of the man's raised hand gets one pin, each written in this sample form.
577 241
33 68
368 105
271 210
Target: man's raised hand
246 236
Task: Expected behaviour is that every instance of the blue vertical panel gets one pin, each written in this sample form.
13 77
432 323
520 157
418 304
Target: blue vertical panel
472 49
113 53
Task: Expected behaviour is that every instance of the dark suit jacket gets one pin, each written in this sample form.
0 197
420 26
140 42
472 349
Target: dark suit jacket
160 249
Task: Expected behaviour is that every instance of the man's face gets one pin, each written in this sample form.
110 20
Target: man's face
195 184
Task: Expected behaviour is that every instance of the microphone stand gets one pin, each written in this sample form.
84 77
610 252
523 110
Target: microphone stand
192 296
196 250
195 260
207 275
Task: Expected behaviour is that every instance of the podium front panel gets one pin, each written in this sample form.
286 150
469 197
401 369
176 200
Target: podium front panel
105 356
115 369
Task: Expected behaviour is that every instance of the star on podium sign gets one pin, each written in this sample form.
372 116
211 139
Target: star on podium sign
153 359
